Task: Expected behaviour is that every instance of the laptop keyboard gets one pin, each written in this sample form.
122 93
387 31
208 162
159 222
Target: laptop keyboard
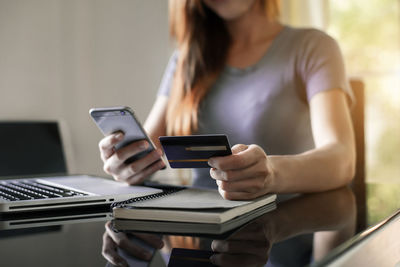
28 190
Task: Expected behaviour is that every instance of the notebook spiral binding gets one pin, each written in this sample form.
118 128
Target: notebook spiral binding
165 192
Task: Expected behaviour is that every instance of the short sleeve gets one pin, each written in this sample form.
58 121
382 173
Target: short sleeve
321 65
167 79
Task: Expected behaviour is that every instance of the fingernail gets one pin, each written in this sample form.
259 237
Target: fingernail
161 164
119 136
214 245
144 145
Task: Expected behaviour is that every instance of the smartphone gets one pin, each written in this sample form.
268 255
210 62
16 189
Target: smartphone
115 119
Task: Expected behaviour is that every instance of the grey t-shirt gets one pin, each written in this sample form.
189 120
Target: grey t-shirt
268 103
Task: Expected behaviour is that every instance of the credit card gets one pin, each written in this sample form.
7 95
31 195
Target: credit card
193 151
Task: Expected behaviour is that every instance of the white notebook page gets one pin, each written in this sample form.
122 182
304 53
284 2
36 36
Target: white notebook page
191 198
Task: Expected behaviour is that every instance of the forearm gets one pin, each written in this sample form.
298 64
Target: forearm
155 122
320 169
328 212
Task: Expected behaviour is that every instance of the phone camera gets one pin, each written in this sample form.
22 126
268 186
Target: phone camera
122 113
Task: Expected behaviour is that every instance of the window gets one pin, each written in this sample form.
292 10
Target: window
369 35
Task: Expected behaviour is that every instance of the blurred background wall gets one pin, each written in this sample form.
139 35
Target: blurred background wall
58 58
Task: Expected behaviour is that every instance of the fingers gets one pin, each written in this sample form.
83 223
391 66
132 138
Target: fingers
236 246
236 149
252 232
138 170
244 175
250 185
124 153
107 144
239 253
239 195
121 240
107 148
244 158
109 251
256 170
119 157
140 177
223 259
151 239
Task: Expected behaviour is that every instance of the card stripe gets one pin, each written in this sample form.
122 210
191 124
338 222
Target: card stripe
205 148
187 160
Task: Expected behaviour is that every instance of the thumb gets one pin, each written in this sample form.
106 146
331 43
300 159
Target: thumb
236 149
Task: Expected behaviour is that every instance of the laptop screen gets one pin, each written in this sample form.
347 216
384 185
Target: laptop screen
31 148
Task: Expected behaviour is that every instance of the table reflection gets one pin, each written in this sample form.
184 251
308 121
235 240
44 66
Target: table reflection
301 230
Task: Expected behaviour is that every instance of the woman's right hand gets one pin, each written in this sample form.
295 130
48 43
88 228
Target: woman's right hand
138 246
132 173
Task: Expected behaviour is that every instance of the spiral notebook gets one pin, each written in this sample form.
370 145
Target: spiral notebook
187 205
190 228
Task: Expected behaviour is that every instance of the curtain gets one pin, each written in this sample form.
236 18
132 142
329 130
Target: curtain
306 13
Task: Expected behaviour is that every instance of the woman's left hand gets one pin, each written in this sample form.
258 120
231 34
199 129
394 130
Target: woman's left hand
249 246
246 174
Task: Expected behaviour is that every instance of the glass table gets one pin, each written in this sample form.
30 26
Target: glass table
312 229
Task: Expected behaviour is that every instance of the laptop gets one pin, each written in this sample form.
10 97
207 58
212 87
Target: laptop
31 221
34 173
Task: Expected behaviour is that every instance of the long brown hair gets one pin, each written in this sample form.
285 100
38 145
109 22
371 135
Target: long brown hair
203 42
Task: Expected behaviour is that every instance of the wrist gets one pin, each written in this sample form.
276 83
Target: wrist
272 177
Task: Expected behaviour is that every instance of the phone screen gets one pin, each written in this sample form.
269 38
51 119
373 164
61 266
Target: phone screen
111 120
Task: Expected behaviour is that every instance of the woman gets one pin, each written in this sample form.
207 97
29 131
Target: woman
279 93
